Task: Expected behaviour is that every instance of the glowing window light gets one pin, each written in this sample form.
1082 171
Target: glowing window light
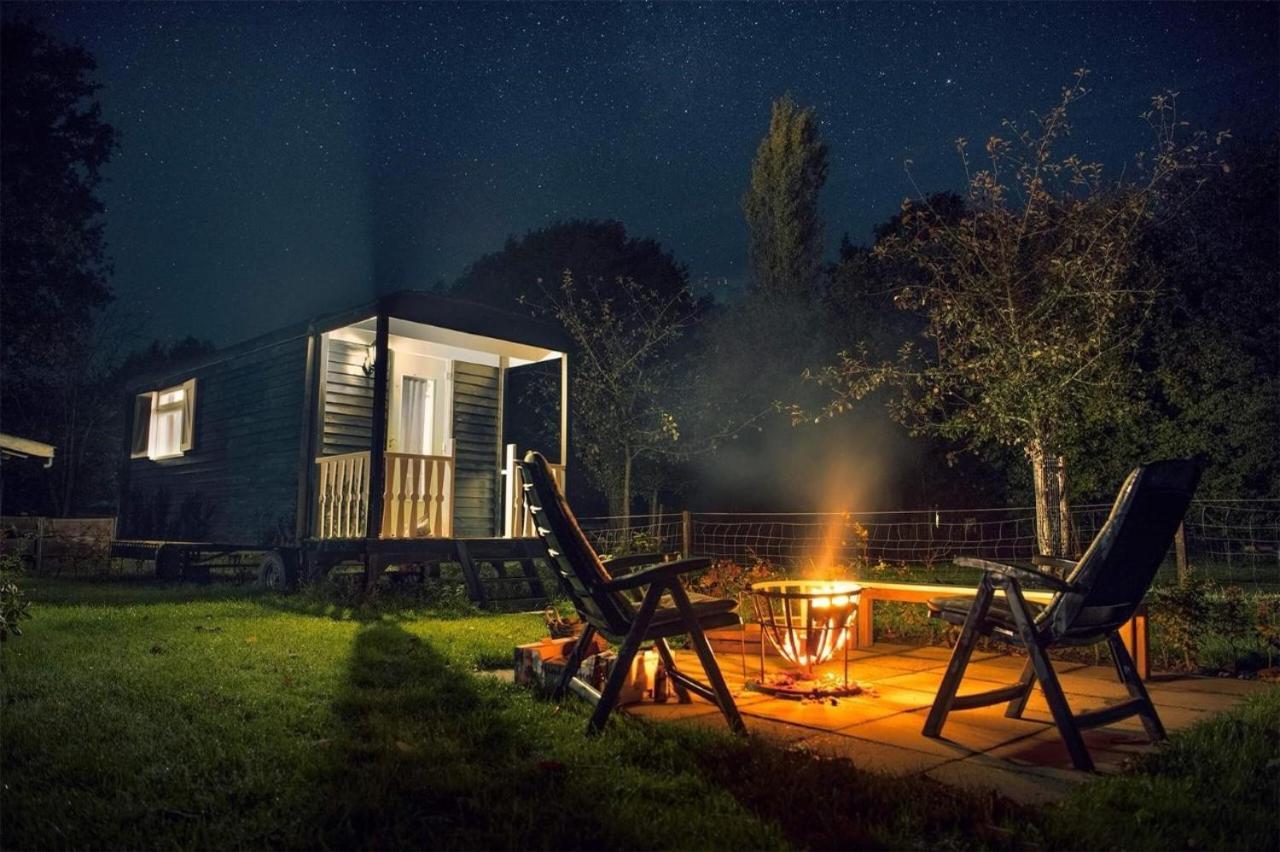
168 416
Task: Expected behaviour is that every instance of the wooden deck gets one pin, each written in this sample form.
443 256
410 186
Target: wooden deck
1023 759
500 573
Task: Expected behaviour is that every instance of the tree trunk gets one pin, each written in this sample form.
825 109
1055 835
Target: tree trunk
626 494
1053 512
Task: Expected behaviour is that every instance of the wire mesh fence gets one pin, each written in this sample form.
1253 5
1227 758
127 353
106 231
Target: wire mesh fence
1235 542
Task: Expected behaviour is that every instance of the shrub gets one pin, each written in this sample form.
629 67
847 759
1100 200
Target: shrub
727 579
14 606
1212 626
1179 612
1267 618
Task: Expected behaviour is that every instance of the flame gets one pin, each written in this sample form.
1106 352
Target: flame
812 626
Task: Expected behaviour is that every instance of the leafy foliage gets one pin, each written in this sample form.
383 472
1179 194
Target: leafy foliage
1211 626
1032 297
624 336
14 606
53 260
1212 352
597 252
781 202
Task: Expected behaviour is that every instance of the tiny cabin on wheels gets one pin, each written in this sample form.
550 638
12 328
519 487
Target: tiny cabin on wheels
385 434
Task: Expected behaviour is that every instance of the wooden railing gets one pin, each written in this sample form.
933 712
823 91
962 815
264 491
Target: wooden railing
517 523
418 496
342 495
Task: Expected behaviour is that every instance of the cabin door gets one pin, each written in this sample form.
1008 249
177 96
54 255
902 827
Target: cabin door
476 452
417 416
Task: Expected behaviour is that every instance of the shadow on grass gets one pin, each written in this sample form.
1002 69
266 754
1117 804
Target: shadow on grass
398 783
433 757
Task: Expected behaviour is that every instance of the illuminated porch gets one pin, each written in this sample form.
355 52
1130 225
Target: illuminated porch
417 424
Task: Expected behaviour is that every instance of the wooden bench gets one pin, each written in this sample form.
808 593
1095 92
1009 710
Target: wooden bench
1133 633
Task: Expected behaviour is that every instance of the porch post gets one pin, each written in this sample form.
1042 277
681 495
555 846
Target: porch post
307 446
377 451
512 521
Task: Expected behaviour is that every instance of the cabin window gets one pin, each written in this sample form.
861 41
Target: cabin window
163 422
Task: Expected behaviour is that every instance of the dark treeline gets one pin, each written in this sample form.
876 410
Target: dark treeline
706 401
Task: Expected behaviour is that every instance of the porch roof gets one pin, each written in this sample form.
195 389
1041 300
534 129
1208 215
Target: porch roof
415 305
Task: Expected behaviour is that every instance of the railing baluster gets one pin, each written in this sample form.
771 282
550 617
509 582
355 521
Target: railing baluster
414 468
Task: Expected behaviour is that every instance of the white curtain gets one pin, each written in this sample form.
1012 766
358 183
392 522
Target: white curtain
417 410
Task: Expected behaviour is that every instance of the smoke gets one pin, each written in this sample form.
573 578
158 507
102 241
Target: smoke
861 462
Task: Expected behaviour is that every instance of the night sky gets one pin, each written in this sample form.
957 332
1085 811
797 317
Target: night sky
284 160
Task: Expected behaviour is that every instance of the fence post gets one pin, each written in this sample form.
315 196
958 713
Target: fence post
686 534
1180 551
39 545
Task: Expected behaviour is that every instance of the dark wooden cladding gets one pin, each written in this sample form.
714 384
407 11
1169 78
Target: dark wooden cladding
239 481
348 400
475 435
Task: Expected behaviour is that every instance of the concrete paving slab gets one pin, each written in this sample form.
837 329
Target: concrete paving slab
1021 758
771 730
1046 754
961 737
1025 787
872 755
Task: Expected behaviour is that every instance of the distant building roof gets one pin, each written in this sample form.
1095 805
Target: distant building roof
22 448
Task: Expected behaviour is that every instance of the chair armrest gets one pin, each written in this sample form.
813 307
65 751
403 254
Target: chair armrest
1021 572
626 563
662 571
1054 562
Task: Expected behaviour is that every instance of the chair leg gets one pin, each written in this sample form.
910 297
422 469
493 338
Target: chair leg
627 653
959 660
708 659
1053 694
1027 680
1133 683
669 660
575 660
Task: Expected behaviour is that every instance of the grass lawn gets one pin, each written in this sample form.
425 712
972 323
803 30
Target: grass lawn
143 716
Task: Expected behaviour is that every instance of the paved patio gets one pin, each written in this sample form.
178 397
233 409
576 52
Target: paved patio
880 730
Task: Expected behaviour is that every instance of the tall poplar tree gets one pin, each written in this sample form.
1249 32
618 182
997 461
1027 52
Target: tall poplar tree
781 203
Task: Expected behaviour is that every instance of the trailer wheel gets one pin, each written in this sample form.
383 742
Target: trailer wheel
278 571
169 563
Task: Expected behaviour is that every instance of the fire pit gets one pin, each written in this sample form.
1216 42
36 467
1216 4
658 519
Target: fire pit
808 622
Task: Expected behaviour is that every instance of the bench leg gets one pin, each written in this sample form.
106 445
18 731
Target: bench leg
865 632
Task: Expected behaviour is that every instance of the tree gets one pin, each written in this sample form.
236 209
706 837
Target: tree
785 231
624 372
1212 355
1035 300
54 272
598 252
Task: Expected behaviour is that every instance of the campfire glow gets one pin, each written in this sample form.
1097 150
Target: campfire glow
807 621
